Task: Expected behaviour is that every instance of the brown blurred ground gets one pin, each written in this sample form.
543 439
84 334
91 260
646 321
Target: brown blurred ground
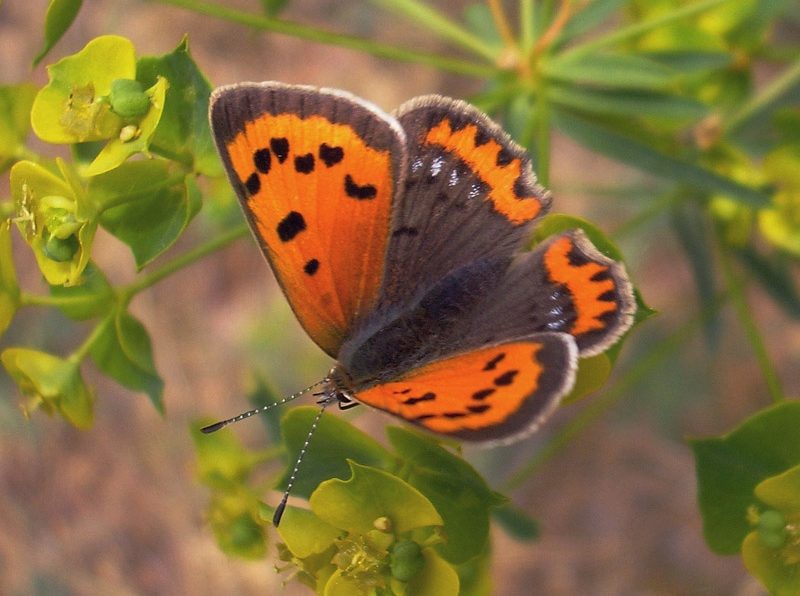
117 510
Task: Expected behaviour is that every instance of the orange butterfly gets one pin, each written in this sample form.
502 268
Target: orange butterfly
397 241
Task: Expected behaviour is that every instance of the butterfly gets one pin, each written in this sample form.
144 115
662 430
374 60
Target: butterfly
399 241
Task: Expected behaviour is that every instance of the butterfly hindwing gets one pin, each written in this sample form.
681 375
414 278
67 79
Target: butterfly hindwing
496 393
316 172
564 285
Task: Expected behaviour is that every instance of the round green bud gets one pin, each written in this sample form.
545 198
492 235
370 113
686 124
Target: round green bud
61 250
407 560
771 520
128 98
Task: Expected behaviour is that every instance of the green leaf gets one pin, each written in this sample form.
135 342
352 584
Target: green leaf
305 534
768 564
437 577
60 15
782 492
638 104
132 138
611 71
234 519
775 275
334 442
684 61
730 467
92 298
146 204
183 133
593 372
459 493
15 120
222 460
691 228
639 155
51 383
9 290
124 352
516 523
478 19
369 494
71 108
588 17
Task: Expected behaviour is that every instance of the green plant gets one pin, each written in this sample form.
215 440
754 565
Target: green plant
665 87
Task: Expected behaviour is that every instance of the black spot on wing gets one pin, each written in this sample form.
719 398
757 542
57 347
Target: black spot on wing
253 184
429 396
506 378
504 157
262 159
356 191
330 155
290 226
280 147
311 267
482 394
304 164
492 364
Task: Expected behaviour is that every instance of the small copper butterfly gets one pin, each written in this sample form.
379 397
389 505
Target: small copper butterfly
398 240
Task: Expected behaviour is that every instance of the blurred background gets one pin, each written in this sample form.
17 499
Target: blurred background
117 509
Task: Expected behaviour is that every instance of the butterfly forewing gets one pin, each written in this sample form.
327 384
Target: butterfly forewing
316 173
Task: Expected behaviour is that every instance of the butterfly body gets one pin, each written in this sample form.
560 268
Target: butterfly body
398 241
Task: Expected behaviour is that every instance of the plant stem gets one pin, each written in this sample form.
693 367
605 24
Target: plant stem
632 31
82 350
501 23
542 132
527 25
759 104
328 37
189 257
599 406
736 289
425 16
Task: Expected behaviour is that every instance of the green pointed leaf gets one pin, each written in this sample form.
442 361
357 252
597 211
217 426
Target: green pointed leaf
334 442
459 493
730 467
50 383
768 564
611 71
132 138
691 227
15 120
588 17
643 104
369 494
60 15
775 276
9 290
183 134
154 204
437 577
639 155
305 534
124 352
92 298
516 522
782 492
593 372
71 108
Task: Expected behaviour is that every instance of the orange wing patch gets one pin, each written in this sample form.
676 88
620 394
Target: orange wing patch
590 284
310 183
469 392
493 164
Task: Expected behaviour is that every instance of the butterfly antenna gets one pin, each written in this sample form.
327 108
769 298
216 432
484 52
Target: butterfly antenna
276 518
223 423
